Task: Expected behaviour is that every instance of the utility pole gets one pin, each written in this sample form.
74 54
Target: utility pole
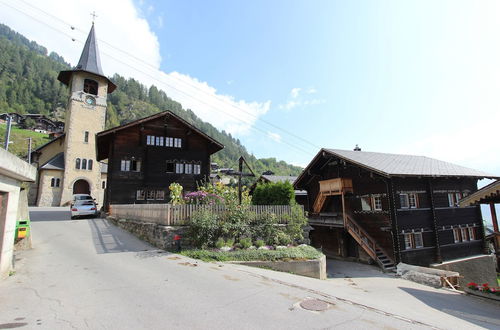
7 133
29 150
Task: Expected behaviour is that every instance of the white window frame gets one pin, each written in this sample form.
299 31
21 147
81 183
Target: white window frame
472 233
179 168
188 168
412 201
457 235
465 234
408 241
125 165
177 142
140 195
418 240
197 169
169 142
404 196
377 202
150 140
150 195
366 203
160 195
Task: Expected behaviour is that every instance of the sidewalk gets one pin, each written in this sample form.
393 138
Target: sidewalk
367 286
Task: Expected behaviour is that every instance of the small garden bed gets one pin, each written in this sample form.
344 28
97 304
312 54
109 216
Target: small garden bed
303 252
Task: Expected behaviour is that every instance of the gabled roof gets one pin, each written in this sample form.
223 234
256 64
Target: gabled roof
55 163
485 195
389 165
89 62
101 154
51 141
279 178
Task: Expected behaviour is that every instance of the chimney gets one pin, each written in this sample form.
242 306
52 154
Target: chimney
357 148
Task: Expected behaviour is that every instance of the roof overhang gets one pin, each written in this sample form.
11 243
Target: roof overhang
485 195
65 77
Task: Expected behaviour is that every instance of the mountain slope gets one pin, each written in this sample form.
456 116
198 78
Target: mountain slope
28 84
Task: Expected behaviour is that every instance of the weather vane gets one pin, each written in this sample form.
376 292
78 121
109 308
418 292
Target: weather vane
93 14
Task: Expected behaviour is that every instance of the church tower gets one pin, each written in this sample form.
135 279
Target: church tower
85 116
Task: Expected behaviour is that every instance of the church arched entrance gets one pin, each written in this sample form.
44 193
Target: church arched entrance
81 187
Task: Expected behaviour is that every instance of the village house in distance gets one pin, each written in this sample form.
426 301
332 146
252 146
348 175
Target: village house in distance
147 155
392 208
67 164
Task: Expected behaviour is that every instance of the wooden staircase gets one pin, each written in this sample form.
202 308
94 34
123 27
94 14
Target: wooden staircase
369 244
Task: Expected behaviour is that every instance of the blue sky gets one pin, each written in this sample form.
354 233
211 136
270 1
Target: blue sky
288 77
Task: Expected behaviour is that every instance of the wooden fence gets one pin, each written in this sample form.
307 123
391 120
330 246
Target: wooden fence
180 215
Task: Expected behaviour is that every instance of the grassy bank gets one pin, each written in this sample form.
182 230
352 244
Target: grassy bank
19 138
293 253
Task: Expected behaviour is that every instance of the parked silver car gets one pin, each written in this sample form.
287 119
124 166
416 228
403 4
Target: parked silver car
83 204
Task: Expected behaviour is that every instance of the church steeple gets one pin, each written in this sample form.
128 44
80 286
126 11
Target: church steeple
89 62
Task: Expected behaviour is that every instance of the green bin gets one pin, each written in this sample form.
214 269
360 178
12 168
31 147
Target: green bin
22 229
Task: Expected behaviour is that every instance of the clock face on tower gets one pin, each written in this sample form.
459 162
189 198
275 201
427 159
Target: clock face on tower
90 100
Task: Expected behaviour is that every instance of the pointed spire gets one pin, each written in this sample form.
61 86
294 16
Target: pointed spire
89 60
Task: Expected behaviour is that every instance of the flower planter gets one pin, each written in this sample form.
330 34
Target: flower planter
482 294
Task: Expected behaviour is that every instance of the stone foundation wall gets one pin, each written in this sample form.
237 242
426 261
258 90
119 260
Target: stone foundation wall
157 235
479 269
310 268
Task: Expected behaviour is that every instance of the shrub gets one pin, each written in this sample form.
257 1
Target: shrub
295 223
277 193
204 228
245 242
202 198
175 194
259 243
220 243
265 227
230 242
282 238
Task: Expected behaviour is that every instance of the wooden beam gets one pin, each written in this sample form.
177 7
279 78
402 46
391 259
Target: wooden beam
494 217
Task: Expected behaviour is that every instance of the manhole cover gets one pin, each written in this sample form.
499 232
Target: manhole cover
314 305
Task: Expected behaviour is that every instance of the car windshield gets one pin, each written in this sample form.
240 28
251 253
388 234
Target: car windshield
81 198
86 202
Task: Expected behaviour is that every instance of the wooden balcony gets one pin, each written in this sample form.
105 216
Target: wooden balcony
335 186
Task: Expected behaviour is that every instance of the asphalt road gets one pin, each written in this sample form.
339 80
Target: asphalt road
89 274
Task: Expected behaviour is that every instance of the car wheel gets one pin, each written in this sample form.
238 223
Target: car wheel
73 217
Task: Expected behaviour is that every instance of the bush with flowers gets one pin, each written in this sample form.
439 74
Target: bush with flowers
485 287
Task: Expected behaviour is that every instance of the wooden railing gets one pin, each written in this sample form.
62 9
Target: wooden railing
363 238
331 187
180 215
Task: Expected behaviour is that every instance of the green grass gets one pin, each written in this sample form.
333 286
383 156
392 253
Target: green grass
19 137
295 253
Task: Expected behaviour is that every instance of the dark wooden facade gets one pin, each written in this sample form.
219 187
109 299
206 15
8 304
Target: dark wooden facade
142 163
395 227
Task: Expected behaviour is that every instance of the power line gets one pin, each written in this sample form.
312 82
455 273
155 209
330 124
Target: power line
300 138
254 127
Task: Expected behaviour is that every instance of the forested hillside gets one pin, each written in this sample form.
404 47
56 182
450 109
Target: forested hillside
28 84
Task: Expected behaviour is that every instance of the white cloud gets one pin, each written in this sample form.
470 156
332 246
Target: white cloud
121 24
274 136
297 100
295 92
159 21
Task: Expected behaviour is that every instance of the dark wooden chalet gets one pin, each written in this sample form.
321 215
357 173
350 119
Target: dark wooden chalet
147 155
391 208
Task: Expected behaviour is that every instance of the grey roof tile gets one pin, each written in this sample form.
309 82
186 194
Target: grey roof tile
55 163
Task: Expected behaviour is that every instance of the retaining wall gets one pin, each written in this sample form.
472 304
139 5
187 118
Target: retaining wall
310 268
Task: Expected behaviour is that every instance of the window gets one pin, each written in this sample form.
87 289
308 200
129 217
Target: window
170 167
140 195
408 201
472 233
177 143
403 200
197 168
160 195
104 185
135 165
465 234
77 163
188 168
366 203
150 140
150 195
53 182
456 235
413 240
159 141
90 163
377 202
179 168
86 137
169 142
58 182
90 86
125 165
84 164
453 199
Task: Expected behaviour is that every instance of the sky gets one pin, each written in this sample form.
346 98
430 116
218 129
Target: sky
289 77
